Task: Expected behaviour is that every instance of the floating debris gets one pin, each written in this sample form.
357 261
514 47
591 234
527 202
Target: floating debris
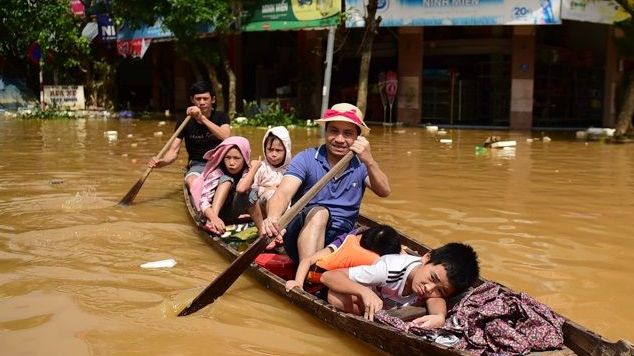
57 181
496 142
158 134
480 150
491 139
546 139
129 136
125 114
169 263
598 131
446 141
161 123
505 152
134 144
111 135
503 144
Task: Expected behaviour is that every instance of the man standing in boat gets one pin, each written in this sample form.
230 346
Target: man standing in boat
335 209
202 134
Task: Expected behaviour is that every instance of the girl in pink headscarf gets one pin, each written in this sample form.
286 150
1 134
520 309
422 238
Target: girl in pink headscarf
214 191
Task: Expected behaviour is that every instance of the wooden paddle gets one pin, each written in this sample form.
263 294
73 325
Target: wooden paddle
128 198
221 283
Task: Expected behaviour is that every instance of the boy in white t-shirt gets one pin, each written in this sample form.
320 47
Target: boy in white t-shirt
403 279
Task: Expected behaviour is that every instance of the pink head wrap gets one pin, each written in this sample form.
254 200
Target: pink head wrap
212 172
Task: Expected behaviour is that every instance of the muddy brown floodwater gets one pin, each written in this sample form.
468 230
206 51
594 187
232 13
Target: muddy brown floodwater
554 219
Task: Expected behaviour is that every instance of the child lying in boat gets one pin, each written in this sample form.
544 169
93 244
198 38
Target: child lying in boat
348 250
220 192
265 176
403 279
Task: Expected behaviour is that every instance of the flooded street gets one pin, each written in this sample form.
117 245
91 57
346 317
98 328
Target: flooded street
554 219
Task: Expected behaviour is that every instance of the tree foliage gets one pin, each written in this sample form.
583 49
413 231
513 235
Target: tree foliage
48 23
365 49
57 31
184 19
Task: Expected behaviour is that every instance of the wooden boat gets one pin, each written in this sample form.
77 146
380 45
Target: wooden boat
578 340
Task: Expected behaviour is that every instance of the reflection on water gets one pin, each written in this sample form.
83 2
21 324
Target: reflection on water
550 218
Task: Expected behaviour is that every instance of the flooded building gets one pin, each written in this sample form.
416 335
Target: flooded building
494 63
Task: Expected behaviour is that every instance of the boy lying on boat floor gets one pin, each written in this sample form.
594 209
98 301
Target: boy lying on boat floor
359 247
396 280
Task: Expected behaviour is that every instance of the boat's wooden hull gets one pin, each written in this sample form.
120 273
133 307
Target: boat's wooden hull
578 340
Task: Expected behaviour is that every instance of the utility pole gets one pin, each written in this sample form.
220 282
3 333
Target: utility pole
325 90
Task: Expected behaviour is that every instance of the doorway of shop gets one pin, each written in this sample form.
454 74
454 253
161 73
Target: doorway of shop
466 90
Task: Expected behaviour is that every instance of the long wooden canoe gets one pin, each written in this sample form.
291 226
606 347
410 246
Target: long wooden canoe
578 340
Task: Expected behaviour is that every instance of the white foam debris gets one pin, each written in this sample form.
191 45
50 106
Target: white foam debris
169 263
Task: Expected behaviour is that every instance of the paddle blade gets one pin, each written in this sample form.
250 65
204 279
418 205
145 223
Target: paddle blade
128 198
226 279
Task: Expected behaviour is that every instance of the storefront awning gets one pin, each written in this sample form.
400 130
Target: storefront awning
155 31
134 42
269 15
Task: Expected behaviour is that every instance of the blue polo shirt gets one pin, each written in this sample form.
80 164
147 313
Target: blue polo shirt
342 195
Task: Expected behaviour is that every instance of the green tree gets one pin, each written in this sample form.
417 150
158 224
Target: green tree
184 18
47 23
626 47
57 31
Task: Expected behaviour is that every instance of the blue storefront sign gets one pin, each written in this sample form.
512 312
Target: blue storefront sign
107 30
396 13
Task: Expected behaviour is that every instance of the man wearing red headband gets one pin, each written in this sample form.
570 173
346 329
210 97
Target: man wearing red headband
335 209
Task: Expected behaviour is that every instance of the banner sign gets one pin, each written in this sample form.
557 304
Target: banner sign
605 11
457 12
265 15
90 31
135 48
77 7
107 31
64 97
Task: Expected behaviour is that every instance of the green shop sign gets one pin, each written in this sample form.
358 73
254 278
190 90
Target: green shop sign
266 15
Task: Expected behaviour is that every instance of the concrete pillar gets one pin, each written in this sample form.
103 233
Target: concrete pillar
409 104
522 77
612 76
